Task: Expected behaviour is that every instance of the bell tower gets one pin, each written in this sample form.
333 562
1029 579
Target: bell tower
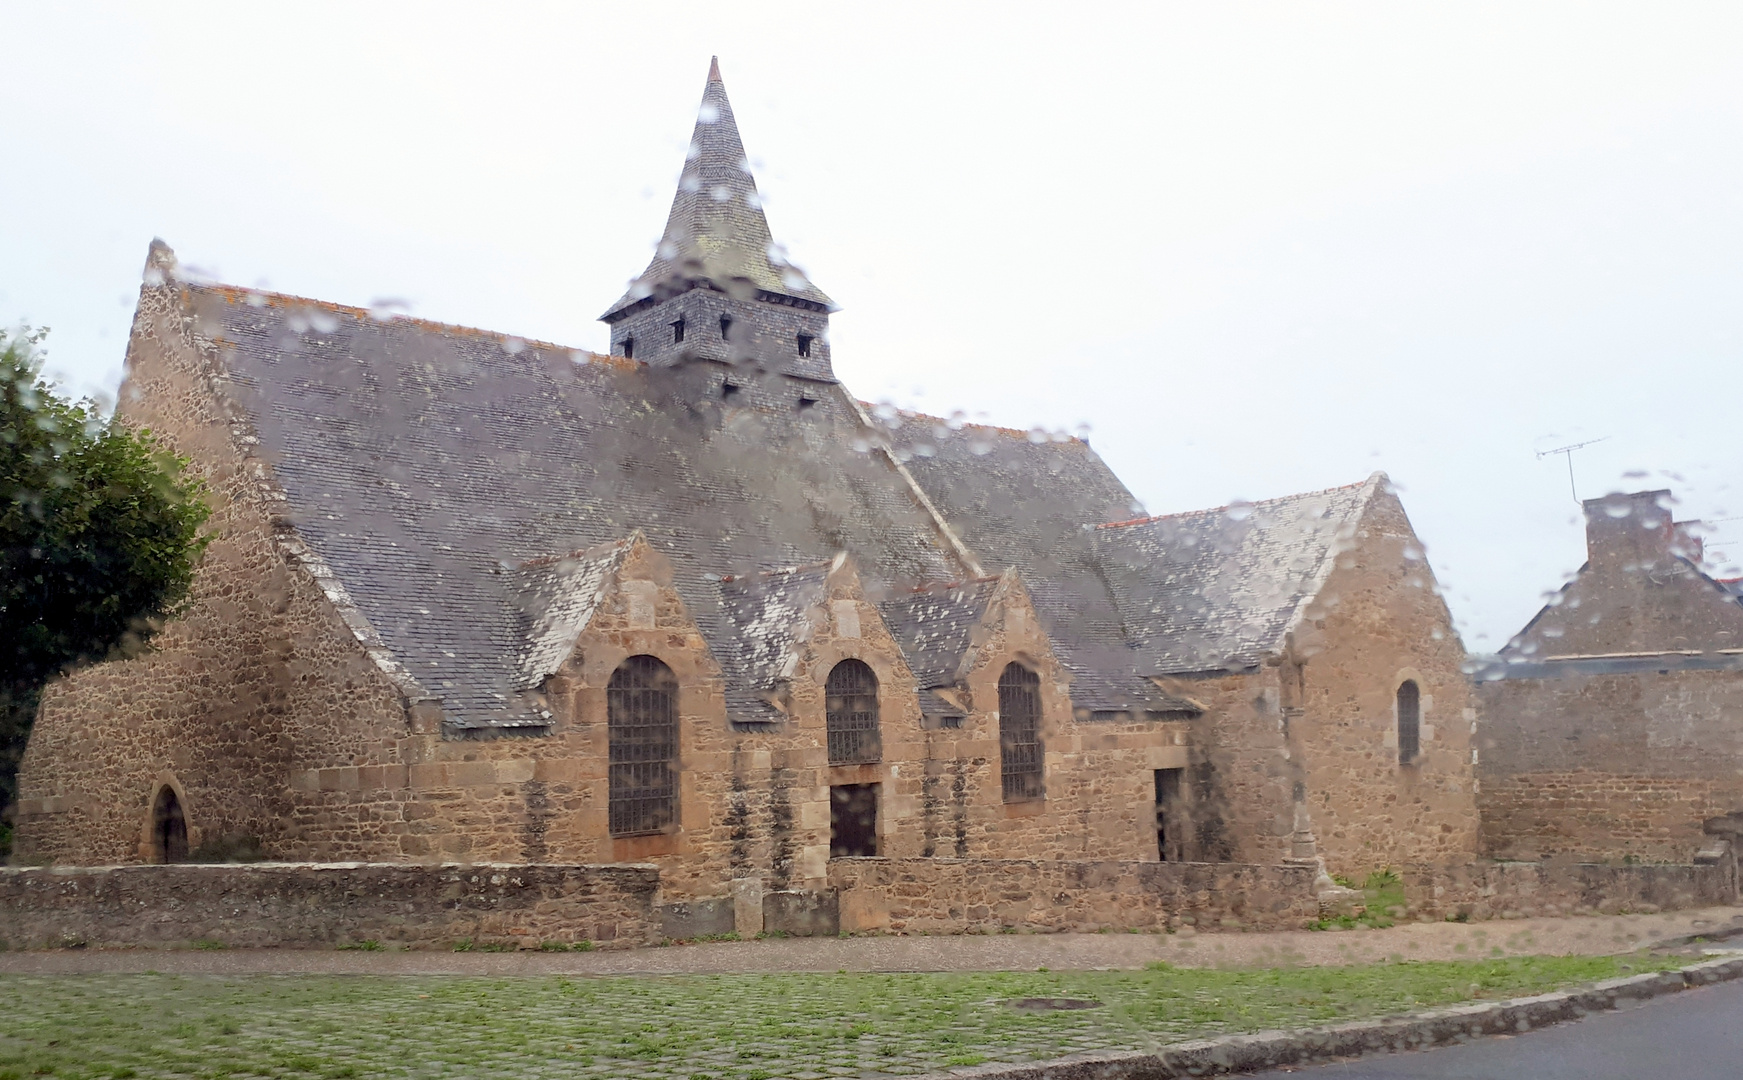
717 288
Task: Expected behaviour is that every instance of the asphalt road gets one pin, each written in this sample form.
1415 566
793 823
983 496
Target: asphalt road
1693 1035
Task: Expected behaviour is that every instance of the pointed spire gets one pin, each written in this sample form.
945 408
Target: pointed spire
716 231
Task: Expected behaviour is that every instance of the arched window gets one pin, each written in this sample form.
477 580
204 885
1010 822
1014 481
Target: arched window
641 705
851 701
1409 721
1019 733
169 827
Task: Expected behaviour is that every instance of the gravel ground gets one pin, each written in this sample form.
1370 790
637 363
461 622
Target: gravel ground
1588 936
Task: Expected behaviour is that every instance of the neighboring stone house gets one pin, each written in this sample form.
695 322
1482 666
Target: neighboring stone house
473 598
1613 723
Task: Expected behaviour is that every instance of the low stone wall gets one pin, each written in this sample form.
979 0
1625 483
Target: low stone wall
1488 890
328 905
963 896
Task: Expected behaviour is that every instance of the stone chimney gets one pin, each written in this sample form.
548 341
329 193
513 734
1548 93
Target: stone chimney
1687 542
1630 530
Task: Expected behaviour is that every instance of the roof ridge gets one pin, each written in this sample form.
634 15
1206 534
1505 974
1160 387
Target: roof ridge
946 586
955 425
540 561
1228 506
243 294
725 578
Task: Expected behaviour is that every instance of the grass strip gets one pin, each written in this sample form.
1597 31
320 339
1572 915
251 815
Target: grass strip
701 1027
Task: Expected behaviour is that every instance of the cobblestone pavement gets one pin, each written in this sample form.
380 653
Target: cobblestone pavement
790 1026
1003 952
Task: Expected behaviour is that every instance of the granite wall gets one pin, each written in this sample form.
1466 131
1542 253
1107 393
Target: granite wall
1611 764
1487 890
328 905
958 896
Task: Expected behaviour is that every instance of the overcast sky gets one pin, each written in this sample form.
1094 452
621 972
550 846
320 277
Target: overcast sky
1255 248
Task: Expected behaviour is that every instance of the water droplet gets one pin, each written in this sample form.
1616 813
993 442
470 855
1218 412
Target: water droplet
513 346
709 113
388 308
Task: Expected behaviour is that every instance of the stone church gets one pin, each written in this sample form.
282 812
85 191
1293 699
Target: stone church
472 598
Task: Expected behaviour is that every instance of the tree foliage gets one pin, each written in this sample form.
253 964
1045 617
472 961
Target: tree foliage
99 537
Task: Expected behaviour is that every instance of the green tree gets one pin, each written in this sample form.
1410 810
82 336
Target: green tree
99 537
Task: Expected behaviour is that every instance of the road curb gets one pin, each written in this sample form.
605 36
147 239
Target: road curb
1420 1031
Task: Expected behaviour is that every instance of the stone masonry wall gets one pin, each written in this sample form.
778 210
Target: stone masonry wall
957 896
1099 787
1486 890
266 905
1609 766
1238 780
764 335
1379 621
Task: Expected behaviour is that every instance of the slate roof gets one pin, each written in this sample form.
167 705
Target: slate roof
435 471
1028 500
934 627
771 615
556 597
716 230
1218 589
421 462
1199 591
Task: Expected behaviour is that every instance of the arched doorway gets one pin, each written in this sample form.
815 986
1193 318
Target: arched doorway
169 828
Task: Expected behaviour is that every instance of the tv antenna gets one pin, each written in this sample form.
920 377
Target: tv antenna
1568 452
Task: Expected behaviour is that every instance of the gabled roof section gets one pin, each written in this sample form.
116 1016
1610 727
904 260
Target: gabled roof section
935 627
1219 589
770 613
716 231
557 596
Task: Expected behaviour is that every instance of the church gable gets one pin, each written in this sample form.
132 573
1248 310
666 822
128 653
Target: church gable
558 596
772 614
